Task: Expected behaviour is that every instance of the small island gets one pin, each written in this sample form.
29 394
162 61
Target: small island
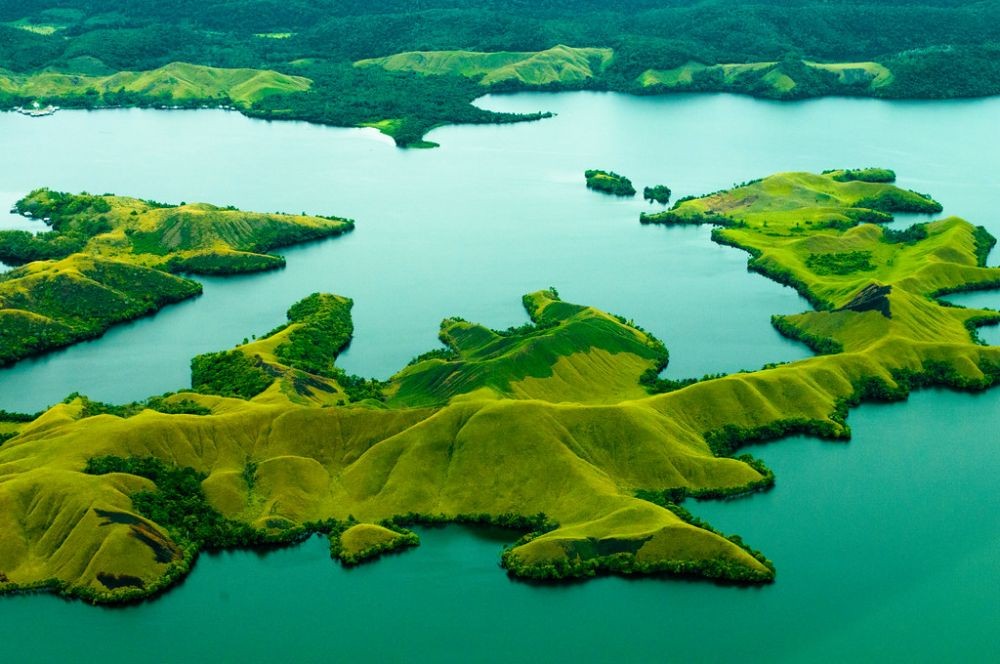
657 194
275 442
109 259
609 182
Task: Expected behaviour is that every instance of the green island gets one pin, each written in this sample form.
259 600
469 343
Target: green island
407 68
609 182
559 429
109 259
659 193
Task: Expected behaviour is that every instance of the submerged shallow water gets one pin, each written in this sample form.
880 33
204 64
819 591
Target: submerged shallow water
886 547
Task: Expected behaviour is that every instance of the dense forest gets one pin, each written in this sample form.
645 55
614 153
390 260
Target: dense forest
934 48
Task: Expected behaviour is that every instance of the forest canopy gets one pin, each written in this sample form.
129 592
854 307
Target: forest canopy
923 49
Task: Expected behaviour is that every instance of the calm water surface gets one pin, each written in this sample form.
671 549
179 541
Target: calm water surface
468 228
886 547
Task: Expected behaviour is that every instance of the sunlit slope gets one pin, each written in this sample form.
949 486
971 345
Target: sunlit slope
772 79
544 428
193 238
873 74
879 322
175 82
108 259
294 364
576 464
568 353
560 64
365 541
810 231
309 465
49 304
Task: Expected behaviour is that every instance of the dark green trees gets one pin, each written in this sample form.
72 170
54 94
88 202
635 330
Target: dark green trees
609 182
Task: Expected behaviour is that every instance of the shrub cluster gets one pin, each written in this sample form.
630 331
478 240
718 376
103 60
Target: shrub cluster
609 182
882 175
658 194
840 263
229 374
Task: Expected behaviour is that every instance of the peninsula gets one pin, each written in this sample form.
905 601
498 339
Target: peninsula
108 259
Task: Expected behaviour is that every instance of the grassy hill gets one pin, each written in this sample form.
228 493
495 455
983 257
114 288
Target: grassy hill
283 469
569 353
108 259
295 362
790 79
49 304
558 429
559 64
177 82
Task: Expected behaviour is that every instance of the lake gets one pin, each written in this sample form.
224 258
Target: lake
468 228
886 547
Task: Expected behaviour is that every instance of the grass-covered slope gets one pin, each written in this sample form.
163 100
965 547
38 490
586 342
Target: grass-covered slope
175 83
49 304
875 288
107 259
545 429
197 238
364 541
568 353
557 65
788 79
281 469
294 363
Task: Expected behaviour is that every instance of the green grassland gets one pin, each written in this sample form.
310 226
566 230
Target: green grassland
175 83
44 29
50 304
365 541
552 429
108 259
557 65
564 66
779 80
294 363
568 353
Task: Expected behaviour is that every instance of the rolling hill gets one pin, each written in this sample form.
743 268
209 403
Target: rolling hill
108 259
559 64
558 429
177 82
772 79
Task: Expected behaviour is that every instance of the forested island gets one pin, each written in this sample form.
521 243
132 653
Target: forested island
406 68
659 193
108 259
609 182
275 442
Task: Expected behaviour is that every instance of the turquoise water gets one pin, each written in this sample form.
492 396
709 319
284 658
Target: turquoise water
981 300
468 228
886 548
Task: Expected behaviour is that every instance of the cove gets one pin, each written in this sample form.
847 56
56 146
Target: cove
465 229
886 548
